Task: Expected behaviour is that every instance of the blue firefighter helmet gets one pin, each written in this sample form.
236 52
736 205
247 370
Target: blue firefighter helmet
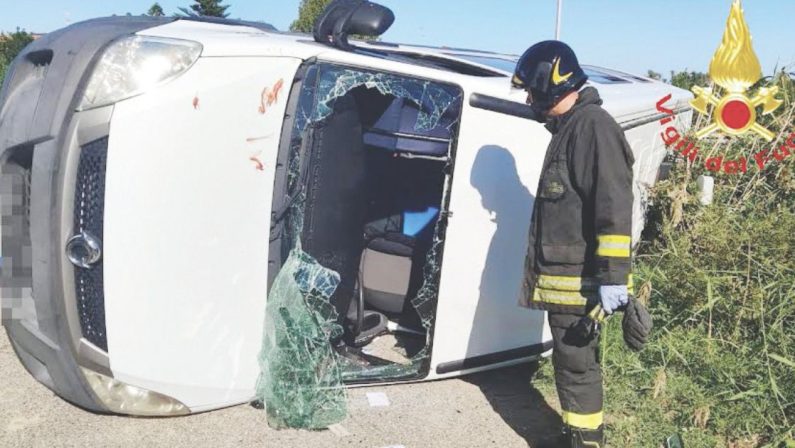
548 71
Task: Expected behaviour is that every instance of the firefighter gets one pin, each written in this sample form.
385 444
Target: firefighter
580 244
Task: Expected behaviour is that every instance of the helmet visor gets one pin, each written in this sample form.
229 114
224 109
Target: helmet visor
539 101
539 79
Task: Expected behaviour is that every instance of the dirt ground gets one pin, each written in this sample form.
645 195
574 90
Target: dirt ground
498 408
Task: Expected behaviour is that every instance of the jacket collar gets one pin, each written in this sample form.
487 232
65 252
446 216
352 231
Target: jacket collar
587 96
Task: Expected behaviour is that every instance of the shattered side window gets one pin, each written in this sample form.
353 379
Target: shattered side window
302 375
433 99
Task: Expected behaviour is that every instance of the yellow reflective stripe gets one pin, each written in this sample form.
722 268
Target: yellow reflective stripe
617 239
559 297
565 290
616 253
587 421
614 246
562 283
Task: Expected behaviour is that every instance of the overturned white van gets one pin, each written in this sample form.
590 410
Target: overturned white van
159 173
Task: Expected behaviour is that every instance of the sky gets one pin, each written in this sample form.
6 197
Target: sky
630 35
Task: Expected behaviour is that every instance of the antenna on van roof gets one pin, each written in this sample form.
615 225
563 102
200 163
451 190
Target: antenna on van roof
342 18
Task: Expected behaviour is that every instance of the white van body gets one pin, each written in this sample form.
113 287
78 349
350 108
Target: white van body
191 169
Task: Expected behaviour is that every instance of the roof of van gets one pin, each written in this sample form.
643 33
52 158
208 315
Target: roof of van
498 63
624 94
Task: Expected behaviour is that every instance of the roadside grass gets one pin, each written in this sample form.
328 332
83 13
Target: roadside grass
720 283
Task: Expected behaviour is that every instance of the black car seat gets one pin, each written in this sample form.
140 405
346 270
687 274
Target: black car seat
390 257
404 199
404 204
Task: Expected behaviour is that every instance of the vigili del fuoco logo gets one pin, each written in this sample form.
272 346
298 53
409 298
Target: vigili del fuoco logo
734 67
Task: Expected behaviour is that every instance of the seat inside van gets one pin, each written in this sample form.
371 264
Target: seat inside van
358 230
373 196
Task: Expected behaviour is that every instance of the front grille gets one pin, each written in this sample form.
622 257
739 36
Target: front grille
88 218
16 267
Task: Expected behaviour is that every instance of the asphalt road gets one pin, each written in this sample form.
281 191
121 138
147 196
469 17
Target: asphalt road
492 409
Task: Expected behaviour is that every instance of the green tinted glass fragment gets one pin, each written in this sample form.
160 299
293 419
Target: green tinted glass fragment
300 380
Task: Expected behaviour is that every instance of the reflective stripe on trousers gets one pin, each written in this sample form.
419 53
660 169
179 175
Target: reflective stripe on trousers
578 372
587 421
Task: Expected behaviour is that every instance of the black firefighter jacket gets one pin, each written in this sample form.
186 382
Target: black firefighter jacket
580 234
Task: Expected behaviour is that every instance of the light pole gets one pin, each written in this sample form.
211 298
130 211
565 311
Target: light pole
557 20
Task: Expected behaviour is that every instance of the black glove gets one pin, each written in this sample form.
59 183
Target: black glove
637 325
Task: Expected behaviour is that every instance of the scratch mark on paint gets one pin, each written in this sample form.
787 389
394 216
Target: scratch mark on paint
255 139
264 99
276 89
270 96
257 162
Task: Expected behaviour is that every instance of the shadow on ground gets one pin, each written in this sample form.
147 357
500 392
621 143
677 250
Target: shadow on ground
513 396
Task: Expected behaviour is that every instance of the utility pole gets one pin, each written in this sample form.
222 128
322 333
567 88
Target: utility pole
557 20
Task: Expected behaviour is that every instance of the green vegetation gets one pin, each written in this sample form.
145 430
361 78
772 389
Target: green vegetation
10 46
211 8
654 75
307 14
720 368
722 365
156 10
684 79
687 79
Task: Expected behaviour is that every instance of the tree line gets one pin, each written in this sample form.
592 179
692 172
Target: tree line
10 45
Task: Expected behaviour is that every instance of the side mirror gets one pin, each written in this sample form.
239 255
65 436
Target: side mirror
344 17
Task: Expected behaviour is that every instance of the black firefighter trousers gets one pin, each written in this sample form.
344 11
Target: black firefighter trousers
578 372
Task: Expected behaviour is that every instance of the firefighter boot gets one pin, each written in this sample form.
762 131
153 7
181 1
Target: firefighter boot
561 440
571 437
586 438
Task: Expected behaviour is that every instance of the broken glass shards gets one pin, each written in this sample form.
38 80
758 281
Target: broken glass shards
289 341
439 109
433 99
300 380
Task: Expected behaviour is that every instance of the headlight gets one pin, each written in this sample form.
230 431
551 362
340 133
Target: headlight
122 398
135 64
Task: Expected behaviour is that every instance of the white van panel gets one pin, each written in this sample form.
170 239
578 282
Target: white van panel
187 216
